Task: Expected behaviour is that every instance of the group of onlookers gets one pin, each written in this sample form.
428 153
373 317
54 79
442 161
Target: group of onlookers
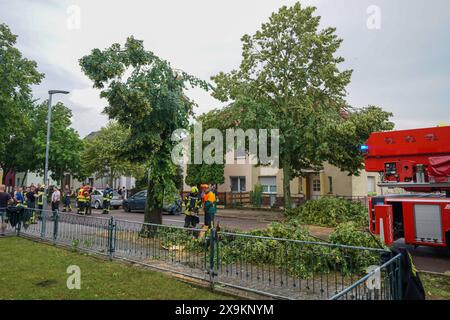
33 196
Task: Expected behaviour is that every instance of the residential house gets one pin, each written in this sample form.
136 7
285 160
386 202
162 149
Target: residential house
330 180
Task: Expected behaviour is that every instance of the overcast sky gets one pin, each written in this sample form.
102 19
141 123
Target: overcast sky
402 66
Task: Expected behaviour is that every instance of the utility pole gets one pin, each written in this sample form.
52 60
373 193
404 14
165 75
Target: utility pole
47 146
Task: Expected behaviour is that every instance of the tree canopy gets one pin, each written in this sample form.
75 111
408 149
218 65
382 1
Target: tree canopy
146 96
289 79
17 75
65 143
102 157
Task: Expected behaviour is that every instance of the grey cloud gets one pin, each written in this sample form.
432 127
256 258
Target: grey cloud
403 67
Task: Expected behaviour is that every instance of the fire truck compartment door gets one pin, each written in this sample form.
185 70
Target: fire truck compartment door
384 225
427 222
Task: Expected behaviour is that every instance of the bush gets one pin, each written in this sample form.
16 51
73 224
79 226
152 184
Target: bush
284 230
357 261
349 233
256 195
329 212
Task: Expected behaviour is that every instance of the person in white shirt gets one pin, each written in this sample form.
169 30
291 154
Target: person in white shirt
56 198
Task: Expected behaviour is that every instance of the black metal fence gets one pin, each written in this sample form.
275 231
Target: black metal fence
281 268
381 283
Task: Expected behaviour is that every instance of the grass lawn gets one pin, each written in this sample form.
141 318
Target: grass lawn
436 287
30 270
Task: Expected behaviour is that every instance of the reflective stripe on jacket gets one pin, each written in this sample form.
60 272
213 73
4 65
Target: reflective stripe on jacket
40 199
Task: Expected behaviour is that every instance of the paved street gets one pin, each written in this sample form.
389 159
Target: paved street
429 258
231 222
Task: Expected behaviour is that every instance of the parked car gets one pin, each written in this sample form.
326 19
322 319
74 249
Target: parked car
97 199
137 203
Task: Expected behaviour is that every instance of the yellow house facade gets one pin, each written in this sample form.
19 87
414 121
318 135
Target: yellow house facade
330 180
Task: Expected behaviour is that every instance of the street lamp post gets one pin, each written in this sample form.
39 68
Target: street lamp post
47 146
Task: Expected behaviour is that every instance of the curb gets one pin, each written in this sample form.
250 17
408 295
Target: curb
435 273
246 218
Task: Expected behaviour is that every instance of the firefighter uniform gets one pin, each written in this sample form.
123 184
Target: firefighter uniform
82 199
192 205
40 203
31 205
107 197
24 195
40 199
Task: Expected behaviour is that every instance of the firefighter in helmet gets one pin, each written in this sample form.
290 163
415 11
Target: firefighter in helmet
192 204
82 199
107 197
40 197
40 200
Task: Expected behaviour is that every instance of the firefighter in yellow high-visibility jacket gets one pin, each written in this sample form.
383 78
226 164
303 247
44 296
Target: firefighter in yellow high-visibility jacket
82 200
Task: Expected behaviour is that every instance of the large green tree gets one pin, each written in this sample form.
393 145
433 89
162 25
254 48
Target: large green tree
65 143
199 173
17 75
102 156
289 79
145 95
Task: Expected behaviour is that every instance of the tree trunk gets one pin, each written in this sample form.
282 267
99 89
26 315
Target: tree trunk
111 178
61 181
24 178
152 213
286 182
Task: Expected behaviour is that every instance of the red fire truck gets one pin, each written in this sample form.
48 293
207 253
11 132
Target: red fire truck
417 161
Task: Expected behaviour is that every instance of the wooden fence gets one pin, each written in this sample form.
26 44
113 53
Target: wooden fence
243 199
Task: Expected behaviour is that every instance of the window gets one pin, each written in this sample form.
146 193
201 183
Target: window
330 183
316 185
371 185
141 194
237 184
269 184
240 153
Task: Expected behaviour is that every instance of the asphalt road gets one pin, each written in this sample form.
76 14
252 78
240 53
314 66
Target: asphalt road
431 259
178 220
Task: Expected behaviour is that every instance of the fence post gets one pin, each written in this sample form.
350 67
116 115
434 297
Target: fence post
212 244
55 225
399 280
111 237
44 224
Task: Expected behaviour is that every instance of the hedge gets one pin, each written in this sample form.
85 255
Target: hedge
329 212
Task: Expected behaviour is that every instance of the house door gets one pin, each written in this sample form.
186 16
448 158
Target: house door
315 187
